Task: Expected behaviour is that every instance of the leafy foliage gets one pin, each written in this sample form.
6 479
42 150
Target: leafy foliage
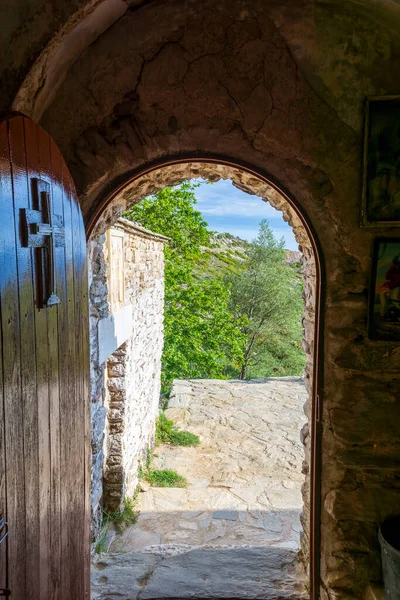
171 212
267 295
164 428
201 335
232 308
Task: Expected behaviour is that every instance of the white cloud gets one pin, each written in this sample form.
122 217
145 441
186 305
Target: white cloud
224 199
228 209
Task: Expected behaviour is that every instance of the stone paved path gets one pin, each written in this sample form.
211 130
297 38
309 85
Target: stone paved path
240 510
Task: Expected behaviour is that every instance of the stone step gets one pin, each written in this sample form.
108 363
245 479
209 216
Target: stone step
202 573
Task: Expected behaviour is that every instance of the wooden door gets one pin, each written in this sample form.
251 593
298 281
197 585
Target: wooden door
44 437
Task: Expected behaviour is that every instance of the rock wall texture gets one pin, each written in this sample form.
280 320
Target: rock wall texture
126 387
98 309
277 86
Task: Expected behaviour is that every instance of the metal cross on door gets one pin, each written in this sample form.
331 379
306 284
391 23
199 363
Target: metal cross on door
44 231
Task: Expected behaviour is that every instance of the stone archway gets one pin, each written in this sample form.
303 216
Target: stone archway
267 84
173 172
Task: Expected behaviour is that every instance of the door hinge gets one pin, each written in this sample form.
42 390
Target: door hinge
5 592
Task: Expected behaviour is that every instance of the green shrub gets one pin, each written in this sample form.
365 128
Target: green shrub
166 433
165 478
163 429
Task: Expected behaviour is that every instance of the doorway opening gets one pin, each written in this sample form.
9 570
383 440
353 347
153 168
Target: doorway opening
109 220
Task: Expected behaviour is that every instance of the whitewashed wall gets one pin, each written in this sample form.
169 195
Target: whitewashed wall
125 387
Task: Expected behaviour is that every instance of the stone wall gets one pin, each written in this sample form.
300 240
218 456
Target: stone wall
125 388
98 309
276 86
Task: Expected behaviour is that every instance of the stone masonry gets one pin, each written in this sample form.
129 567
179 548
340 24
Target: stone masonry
125 388
279 89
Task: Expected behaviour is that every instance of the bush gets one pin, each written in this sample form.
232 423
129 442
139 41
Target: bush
200 333
163 429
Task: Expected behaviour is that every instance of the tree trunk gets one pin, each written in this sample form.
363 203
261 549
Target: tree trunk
243 371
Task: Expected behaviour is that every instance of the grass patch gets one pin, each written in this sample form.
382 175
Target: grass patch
160 477
167 433
123 517
183 438
120 519
163 429
101 543
165 478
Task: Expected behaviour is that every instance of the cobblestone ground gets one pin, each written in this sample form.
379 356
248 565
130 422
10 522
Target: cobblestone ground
238 519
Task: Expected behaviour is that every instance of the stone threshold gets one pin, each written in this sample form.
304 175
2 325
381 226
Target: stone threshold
210 574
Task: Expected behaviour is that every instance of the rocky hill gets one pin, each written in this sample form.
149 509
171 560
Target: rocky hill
227 253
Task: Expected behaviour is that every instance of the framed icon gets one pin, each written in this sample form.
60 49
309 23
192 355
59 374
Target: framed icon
384 298
381 175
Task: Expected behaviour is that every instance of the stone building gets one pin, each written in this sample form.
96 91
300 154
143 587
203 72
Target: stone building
140 94
126 304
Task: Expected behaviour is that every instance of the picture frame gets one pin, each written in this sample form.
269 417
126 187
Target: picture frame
381 169
384 297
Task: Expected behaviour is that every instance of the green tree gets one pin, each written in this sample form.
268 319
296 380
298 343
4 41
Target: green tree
267 293
201 336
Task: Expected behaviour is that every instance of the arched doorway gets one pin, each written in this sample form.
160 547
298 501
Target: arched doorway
103 86
152 178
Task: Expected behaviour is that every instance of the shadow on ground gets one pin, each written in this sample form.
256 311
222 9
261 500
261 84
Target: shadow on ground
261 568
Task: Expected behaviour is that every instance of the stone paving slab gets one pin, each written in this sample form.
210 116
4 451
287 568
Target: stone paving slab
250 458
242 502
259 573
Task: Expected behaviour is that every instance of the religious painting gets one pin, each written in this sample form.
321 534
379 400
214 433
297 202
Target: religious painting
384 301
381 185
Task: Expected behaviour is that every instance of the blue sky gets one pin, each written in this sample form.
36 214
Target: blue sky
227 209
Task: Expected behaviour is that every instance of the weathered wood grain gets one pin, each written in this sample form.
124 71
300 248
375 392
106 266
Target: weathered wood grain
3 283
22 200
44 431
14 417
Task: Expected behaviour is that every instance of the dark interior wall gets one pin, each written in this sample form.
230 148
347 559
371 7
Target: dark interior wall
279 86
26 27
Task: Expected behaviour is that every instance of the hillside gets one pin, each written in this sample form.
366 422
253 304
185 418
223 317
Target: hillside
227 253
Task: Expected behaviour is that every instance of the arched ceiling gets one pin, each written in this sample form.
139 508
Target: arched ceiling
279 85
49 38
